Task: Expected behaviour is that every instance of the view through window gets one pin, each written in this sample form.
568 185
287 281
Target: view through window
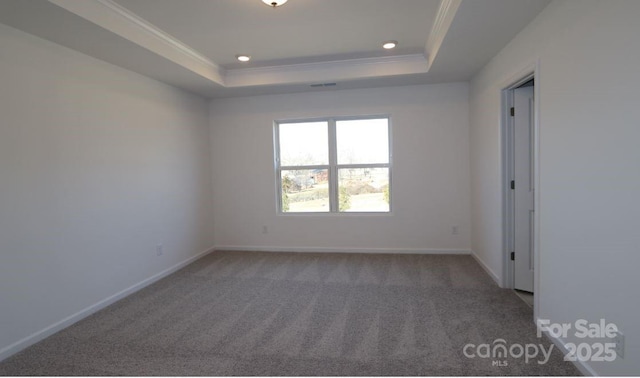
333 165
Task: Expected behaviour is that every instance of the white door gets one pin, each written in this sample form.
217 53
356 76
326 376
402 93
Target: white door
523 187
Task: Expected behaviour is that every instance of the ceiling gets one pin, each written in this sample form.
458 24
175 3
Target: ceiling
301 31
192 44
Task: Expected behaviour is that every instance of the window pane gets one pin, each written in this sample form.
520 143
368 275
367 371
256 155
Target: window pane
363 189
363 141
305 190
304 143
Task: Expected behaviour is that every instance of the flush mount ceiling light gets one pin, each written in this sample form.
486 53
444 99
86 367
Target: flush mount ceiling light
389 45
243 58
274 3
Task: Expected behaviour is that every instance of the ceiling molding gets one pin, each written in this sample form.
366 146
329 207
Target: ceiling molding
119 20
327 71
441 25
132 27
156 32
451 50
124 23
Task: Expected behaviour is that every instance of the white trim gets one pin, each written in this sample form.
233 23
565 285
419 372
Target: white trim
328 71
412 251
582 366
126 24
121 21
537 188
440 28
518 77
313 66
69 320
486 268
157 32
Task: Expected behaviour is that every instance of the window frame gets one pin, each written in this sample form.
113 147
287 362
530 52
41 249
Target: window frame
332 167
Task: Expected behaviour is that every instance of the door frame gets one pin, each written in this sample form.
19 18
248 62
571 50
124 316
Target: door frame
513 81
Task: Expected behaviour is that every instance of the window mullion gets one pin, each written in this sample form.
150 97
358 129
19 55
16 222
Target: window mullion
303 167
278 168
333 171
359 166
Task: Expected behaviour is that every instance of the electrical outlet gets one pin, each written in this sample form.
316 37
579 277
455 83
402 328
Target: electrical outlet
159 250
265 230
619 341
454 230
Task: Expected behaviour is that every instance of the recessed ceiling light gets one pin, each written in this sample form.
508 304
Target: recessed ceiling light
243 58
274 3
389 45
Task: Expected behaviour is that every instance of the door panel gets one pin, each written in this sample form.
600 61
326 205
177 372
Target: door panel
524 187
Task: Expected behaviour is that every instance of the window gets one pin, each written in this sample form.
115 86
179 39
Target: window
333 165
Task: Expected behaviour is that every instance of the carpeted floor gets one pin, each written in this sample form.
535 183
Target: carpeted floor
250 313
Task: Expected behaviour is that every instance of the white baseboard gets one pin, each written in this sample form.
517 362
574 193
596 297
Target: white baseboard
487 269
415 251
582 366
66 322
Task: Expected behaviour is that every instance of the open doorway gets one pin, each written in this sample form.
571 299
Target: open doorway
520 133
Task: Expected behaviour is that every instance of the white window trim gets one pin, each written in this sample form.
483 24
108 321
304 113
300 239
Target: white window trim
332 167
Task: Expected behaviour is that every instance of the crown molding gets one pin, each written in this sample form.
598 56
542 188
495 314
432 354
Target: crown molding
327 71
157 32
115 18
132 27
444 17
312 66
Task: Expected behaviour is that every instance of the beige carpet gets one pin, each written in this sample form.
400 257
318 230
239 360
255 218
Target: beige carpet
249 313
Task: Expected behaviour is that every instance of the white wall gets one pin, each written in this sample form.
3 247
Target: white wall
97 166
589 169
430 174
